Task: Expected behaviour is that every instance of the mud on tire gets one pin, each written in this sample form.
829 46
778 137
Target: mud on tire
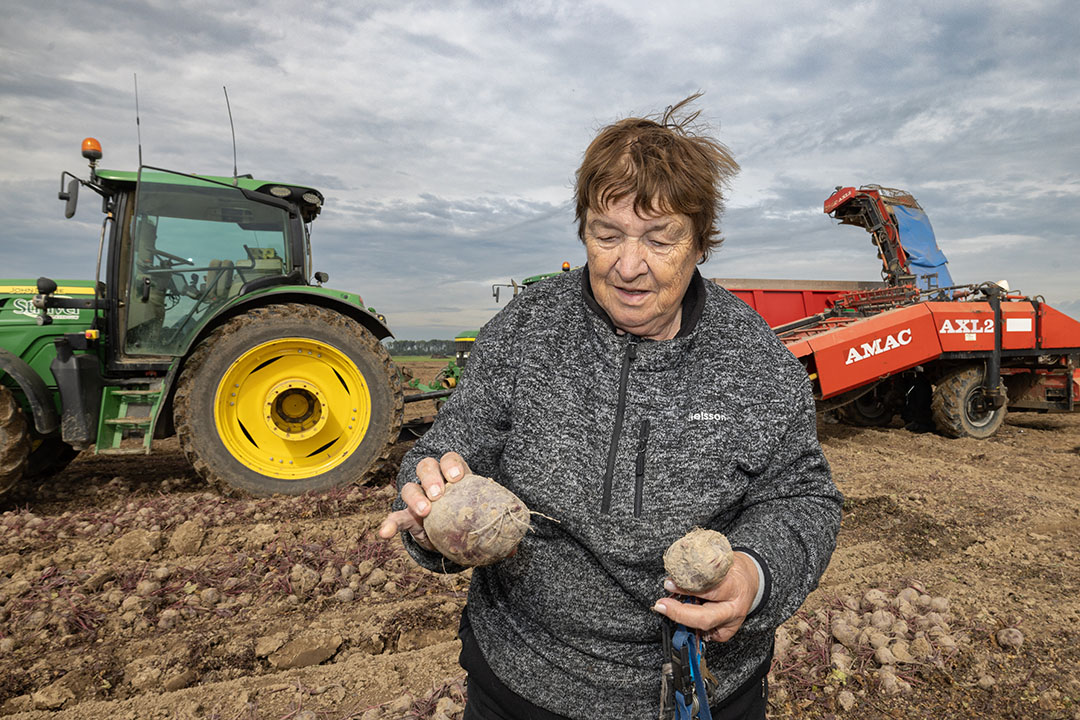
953 406
14 441
311 354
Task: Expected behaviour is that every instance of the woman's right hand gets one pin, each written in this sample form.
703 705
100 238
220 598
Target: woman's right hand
433 475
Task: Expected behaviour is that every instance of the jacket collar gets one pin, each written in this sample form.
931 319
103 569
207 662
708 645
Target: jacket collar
693 303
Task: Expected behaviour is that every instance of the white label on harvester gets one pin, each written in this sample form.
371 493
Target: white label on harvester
1017 324
970 336
879 345
967 326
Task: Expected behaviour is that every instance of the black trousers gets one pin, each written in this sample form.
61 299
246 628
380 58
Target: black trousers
490 699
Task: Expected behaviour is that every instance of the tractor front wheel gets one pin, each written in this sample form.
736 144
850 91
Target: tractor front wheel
14 441
288 399
958 409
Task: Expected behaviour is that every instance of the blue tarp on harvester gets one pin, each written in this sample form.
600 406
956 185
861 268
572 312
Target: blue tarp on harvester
924 256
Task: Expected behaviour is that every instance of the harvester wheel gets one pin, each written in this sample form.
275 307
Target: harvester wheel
955 406
288 399
868 410
14 441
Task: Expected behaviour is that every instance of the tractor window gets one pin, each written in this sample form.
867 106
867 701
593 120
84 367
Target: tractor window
195 245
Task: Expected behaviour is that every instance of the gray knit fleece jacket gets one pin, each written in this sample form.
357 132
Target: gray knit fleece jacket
717 430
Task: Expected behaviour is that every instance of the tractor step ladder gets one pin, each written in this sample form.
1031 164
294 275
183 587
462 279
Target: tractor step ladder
130 408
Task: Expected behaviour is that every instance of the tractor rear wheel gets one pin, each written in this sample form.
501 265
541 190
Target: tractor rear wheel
956 406
868 410
14 441
288 399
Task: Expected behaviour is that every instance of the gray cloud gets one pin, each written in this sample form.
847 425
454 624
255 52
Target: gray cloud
445 135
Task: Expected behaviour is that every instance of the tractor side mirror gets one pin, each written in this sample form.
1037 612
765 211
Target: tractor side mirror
70 197
45 286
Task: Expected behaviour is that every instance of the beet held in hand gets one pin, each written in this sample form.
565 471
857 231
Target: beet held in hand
477 521
699 560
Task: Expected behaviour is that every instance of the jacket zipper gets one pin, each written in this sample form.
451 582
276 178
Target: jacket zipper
620 410
639 465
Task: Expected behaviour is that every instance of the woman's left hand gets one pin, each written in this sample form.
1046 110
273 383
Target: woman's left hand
722 609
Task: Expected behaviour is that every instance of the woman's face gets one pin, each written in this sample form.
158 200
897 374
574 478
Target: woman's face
640 267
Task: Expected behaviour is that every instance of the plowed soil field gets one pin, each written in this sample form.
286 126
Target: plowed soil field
128 590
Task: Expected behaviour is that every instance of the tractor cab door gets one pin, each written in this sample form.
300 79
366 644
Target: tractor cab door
194 244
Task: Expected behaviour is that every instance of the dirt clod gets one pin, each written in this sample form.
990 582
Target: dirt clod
308 649
136 544
188 537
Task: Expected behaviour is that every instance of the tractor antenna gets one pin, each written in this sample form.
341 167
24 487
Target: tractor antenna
138 127
235 175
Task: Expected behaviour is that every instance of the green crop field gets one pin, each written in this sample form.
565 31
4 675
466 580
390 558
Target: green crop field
412 358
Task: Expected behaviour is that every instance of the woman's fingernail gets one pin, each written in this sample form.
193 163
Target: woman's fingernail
669 586
660 608
435 491
421 506
454 472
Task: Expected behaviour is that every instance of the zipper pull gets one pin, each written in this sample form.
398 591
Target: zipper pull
643 436
639 465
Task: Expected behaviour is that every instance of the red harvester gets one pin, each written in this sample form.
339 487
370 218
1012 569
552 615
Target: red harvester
954 358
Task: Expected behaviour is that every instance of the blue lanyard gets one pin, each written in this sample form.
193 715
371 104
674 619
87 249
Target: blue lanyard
684 710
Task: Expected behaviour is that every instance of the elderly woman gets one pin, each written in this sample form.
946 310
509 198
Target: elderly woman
629 402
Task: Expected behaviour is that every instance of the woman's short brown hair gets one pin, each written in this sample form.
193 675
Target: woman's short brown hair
665 165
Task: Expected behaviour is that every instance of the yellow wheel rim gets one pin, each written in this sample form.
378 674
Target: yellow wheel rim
292 408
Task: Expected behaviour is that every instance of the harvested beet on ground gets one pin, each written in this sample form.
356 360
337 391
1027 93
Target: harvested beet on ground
477 521
951 514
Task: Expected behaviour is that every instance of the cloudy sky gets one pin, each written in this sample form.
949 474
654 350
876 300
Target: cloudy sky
445 135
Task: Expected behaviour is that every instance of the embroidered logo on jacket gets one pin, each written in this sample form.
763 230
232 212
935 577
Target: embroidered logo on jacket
707 416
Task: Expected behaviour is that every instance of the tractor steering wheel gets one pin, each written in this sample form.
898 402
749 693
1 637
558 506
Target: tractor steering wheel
177 260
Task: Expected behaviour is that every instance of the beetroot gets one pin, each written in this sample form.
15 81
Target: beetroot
699 560
476 521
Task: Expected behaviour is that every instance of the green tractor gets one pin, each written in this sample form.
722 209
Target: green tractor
206 327
464 340
450 376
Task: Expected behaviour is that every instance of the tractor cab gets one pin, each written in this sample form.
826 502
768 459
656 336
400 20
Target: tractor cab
182 247
188 246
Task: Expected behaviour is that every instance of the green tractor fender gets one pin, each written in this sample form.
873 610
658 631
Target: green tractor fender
37 394
337 300
343 302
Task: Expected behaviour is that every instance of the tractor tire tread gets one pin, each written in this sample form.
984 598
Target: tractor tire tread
14 441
